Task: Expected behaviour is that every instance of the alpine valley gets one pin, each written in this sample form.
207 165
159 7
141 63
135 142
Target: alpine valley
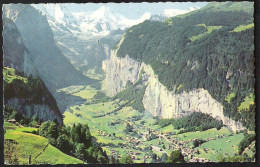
100 87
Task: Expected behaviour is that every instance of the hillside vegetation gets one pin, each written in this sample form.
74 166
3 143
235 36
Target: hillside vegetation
31 144
203 49
31 89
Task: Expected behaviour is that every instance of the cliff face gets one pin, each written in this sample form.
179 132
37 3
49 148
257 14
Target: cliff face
15 53
118 72
43 111
157 99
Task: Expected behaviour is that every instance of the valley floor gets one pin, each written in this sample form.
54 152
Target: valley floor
107 121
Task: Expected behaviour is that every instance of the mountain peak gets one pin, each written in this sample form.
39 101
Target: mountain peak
103 12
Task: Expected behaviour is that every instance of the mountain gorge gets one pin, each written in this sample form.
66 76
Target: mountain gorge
94 86
16 54
24 95
188 64
38 39
35 51
85 37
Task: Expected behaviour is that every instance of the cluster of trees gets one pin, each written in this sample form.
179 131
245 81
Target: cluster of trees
221 62
163 122
76 141
175 157
101 96
151 137
197 121
135 118
10 153
247 140
33 91
128 128
10 113
236 158
193 122
111 112
133 95
198 142
127 159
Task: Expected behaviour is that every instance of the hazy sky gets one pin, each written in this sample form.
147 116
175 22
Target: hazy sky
134 10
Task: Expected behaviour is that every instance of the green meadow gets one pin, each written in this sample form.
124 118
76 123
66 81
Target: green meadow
107 119
9 75
209 29
33 145
243 27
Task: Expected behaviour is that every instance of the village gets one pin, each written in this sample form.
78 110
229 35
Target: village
165 144
121 130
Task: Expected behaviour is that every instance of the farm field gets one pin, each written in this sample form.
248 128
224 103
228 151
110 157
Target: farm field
86 92
34 145
221 146
108 121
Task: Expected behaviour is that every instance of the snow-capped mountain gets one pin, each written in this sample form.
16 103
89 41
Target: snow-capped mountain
85 38
59 18
99 22
166 13
104 20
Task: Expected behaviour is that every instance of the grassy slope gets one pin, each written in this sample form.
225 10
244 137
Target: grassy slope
249 100
30 144
209 30
220 147
81 91
243 27
9 75
230 96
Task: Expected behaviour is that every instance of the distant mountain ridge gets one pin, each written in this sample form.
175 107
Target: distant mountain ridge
85 37
99 22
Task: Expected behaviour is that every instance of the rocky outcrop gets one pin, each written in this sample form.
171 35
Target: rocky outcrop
118 72
43 111
157 99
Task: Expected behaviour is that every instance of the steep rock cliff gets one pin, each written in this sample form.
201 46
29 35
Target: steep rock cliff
43 111
16 54
157 99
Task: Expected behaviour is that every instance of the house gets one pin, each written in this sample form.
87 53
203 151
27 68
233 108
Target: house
37 126
11 120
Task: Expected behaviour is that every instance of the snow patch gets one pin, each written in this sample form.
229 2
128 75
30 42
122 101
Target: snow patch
175 12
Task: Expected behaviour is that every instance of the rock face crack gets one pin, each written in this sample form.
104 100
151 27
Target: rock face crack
157 99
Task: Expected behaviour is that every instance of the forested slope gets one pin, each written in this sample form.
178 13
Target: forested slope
211 48
28 95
